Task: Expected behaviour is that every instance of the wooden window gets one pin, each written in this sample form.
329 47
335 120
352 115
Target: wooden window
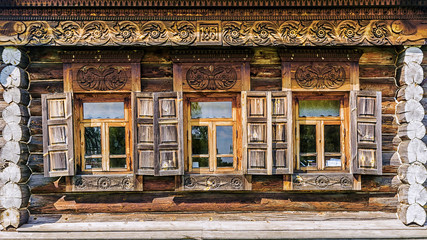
103 132
212 134
321 132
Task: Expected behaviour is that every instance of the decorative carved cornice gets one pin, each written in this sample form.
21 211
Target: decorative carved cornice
206 3
224 14
208 33
211 55
101 56
320 55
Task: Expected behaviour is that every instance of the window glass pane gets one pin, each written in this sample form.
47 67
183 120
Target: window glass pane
308 161
117 140
118 163
108 110
224 161
211 110
199 139
200 162
307 138
224 139
333 161
92 141
319 108
91 163
332 138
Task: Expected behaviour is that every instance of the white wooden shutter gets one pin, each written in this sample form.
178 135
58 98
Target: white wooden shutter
58 145
267 127
143 132
168 133
366 150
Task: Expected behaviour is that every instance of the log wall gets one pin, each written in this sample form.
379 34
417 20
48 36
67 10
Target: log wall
377 72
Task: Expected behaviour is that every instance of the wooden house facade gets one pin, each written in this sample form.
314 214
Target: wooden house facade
212 105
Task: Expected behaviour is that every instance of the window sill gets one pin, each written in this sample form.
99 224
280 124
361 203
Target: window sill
105 183
324 181
216 182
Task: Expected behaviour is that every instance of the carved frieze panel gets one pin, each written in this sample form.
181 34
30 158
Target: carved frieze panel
198 182
100 77
319 181
94 71
224 33
88 183
211 70
320 76
211 78
320 70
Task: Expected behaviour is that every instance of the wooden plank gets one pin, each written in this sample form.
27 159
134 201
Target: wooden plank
212 201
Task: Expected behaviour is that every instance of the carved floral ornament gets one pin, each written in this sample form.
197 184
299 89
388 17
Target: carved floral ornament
102 78
320 77
211 77
235 33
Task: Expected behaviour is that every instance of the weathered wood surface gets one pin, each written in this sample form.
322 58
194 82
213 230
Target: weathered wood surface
14 195
14 217
202 202
15 57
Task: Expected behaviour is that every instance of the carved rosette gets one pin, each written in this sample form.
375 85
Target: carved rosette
378 33
264 33
67 32
154 33
125 32
39 33
96 33
321 33
211 78
292 32
102 78
320 77
218 182
234 33
350 31
183 33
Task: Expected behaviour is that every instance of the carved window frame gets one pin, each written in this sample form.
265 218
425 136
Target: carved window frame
235 121
343 121
80 123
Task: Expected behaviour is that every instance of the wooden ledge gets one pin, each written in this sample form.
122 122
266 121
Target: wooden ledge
271 225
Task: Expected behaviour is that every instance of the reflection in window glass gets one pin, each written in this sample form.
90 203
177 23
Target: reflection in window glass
319 108
308 146
92 141
224 139
117 140
118 163
103 110
200 162
211 110
224 161
199 139
332 139
308 161
307 138
92 163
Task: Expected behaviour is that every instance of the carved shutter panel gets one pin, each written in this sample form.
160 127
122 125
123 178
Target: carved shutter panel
58 145
143 133
281 119
365 132
168 133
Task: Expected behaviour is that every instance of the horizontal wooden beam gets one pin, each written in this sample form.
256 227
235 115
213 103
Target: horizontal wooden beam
213 33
